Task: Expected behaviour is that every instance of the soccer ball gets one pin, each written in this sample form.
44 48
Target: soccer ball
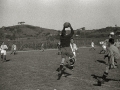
66 24
112 33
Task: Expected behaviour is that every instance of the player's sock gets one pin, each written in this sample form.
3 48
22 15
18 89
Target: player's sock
105 56
5 58
105 75
115 61
72 61
61 67
71 67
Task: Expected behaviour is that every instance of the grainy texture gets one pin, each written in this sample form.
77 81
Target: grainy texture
36 70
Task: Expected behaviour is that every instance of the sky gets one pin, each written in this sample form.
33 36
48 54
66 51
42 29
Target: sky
91 14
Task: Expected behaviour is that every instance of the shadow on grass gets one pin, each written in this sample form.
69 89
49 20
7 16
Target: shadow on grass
107 79
101 61
62 73
100 80
7 60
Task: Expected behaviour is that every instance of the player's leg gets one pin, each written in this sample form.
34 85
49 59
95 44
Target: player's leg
101 51
59 51
104 51
72 57
63 56
105 74
105 56
62 63
12 52
42 49
4 57
108 60
1 56
72 62
61 67
5 53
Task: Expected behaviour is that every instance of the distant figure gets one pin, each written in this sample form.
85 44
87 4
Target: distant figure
92 46
42 47
3 49
13 49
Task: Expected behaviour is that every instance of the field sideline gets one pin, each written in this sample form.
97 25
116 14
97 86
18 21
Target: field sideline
36 70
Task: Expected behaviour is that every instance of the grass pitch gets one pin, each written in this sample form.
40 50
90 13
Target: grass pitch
36 70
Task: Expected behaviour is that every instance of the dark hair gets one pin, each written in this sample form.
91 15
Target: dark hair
111 40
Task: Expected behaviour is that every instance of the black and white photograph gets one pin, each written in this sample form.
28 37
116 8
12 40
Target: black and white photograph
59 44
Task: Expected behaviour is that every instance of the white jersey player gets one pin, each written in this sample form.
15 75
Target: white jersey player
3 49
14 48
92 45
73 47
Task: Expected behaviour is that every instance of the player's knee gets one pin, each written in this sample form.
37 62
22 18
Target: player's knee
72 61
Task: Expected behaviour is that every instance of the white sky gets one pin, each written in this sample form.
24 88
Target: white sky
92 14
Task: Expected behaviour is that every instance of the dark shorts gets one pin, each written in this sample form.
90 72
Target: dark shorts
66 51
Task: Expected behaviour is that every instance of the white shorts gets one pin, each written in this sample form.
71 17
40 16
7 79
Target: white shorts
104 47
3 52
93 46
74 54
14 49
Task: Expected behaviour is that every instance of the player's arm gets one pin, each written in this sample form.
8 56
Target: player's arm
63 30
72 31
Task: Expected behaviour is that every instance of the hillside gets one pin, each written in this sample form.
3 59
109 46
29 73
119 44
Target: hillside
25 31
34 32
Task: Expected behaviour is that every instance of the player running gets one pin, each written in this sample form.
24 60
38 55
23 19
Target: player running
42 47
114 55
92 46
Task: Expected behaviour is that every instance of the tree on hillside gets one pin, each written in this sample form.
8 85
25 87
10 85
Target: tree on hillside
21 23
83 28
